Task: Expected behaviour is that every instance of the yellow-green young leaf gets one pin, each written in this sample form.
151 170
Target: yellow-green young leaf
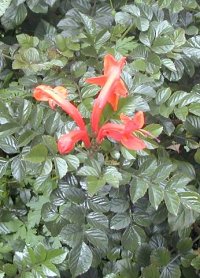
194 108
197 156
94 184
196 262
181 113
37 154
154 129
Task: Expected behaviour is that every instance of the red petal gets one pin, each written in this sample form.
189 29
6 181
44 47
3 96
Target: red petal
113 100
67 141
99 80
110 62
135 123
40 94
133 143
114 131
121 88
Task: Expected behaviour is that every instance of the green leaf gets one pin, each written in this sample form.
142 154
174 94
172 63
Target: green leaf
3 166
119 205
181 113
194 108
72 161
9 144
183 219
88 171
88 23
132 238
97 237
151 271
190 200
125 45
171 271
50 142
169 64
56 256
184 245
4 5
138 188
119 221
163 95
162 45
27 41
14 15
142 23
192 47
80 259
37 154
25 138
160 257
172 201
154 129
72 235
179 37
156 195
18 169
196 262
61 167
97 220
94 184
197 156
8 129
112 176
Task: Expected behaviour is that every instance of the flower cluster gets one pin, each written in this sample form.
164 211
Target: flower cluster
113 88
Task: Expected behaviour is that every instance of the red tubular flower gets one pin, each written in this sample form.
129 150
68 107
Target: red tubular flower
113 88
125 133
66 142
57 96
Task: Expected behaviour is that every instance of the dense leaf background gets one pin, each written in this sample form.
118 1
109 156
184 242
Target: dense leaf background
106 212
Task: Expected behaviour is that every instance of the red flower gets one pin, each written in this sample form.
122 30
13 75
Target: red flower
66 142
113 88
125 133
57 96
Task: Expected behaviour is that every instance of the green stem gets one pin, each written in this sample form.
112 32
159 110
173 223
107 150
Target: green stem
127 31
111 4
8 57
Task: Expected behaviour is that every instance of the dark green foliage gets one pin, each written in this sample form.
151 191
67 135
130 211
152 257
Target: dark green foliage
105 212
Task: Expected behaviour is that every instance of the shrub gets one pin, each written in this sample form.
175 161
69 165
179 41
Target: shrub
105 210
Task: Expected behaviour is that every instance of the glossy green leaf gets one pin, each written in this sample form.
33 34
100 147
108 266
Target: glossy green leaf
138 188
80 259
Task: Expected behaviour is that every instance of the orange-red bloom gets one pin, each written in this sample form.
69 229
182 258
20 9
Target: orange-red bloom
66 142
113 88
125 133
57 96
